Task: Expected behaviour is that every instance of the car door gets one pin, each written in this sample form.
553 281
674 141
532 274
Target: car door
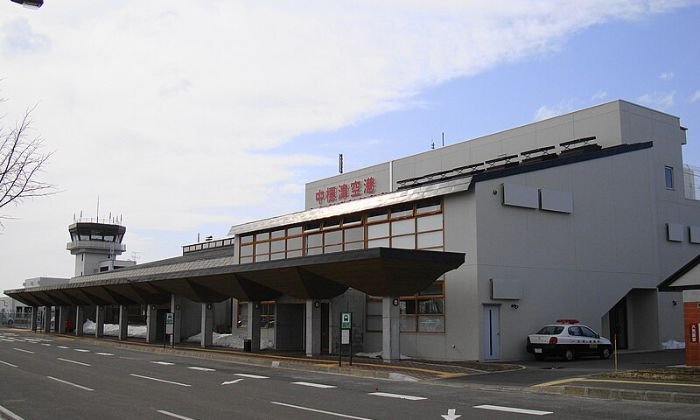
592 339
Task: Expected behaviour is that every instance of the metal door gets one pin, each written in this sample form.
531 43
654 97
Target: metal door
492 332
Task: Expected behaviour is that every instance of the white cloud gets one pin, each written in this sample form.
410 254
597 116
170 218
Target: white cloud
660 100
695 97
546 111
599 95
170 109
666 75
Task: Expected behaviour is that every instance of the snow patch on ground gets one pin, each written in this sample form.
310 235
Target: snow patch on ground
378 355
112 330
672 344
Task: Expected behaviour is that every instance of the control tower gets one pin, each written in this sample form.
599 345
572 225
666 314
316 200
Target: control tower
96 246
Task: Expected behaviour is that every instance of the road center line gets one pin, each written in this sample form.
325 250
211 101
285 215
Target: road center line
235 381
74 361
158 380
203 369
62 347
23 351
105 354
8 364
313 385
330 413
513 410
403 397
163 363
248 375
177 416
70 383
46 344
82 350
9 414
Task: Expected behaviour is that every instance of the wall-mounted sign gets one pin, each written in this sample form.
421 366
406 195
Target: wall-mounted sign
693 333
347 191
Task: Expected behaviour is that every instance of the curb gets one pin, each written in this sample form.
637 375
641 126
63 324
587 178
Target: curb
621 394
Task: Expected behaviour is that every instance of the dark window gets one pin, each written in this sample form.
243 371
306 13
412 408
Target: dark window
668 175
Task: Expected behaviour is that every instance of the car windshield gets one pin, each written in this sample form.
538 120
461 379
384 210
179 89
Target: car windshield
551 330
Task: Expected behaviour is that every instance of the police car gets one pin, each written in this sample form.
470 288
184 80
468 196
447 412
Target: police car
569 339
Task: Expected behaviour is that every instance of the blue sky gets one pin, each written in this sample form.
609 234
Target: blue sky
188 117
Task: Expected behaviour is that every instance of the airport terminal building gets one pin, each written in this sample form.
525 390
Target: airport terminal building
456 253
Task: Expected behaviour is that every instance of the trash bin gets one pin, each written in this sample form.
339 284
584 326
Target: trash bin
247 345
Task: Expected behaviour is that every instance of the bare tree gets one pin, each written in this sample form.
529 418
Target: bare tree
21 162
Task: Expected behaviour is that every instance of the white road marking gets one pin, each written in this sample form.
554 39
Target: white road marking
9 414
513 410
46 344
74 361
330 413
177 416
403 397
248 375
313 385
105 354
158 380
203 369
23 351
82 350
235 381
8 364
70 383
62 347
163 363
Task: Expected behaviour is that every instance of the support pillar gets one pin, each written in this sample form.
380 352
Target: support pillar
61 319
254 310
391 316
79 320
35 309
207 330
123 322
151 323
313 328
99 321
234 315
175 309
47 319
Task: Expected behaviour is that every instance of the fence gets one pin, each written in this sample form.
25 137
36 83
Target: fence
15 319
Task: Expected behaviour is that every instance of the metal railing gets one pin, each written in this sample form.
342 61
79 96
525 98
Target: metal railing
15 319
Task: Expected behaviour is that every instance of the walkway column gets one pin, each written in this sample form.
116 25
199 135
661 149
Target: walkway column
99 321
79 320
35 309
151 323
123 322
47 319
391 316
175 308
207 330
313 328
254 310
61 319
234 315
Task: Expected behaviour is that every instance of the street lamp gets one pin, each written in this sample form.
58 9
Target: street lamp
32 4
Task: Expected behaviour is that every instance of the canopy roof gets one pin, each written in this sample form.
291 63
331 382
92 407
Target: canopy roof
213 277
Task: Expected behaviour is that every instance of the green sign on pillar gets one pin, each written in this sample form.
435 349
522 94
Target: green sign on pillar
346 321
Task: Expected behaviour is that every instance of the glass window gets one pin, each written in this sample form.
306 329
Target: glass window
265 236
428 323
277 234
430 306
312 226
354 234
277 246
246 250
427 223
332 248
334 237
378 231
376 216
314 251
428 206
403 210
429 240
245 260
246 239
294 231
331 223
277 256
377 243
263 248
314 240
668 175
352 220
294 243
354 245
295 253
262 257
403 227
404 242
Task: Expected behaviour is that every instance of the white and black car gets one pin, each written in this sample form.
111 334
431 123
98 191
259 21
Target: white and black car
568 339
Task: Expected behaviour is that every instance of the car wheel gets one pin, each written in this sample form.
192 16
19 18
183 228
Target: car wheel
605 353
569 355
539 357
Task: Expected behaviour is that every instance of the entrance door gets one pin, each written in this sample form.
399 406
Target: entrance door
325 328
618 323
492 332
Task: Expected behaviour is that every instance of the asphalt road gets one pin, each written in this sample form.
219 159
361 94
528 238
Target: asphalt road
45 377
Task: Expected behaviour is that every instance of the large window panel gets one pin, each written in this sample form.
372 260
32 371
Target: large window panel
354 234
314 240
403 227
427 223
378 231
246 250
434 324
404 242
277 246
332 248
294 243
378 243
262 248
333 237
429 240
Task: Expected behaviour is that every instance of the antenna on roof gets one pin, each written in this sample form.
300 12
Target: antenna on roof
443 139
340 163
432 144
97 216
